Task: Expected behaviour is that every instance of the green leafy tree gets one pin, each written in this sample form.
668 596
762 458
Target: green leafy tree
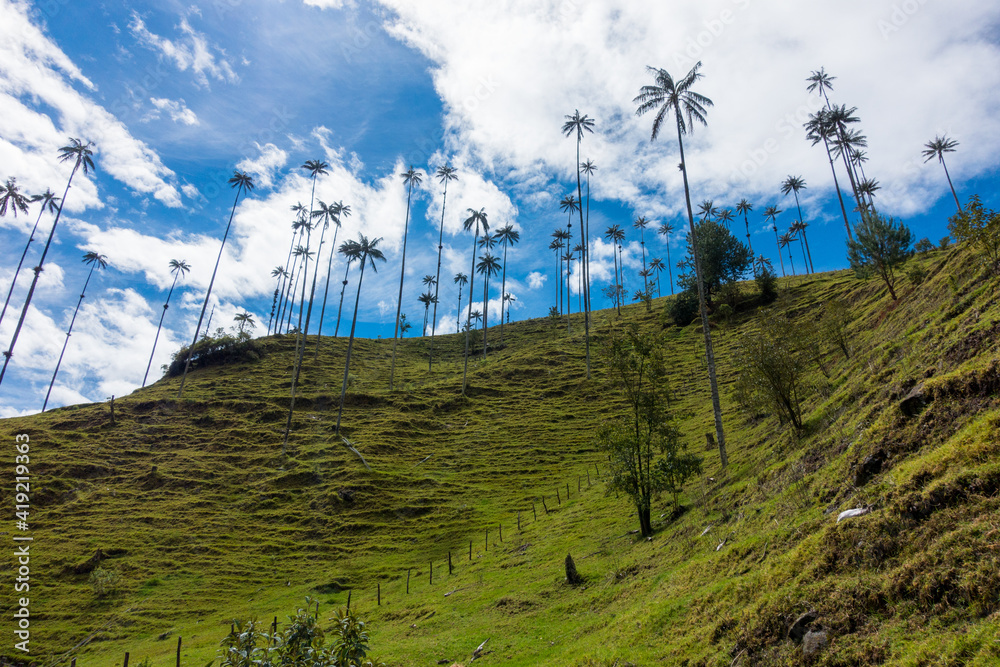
366 252
668 96
769 373
241 182
96 261
178 267
881 248
411 177
724 260
82 156
980 227
936 149
637 369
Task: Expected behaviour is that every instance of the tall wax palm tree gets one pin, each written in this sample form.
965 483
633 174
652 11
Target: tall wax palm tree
785 241
343 286
641 224
867 189
178 267
819 128
507 236
427 298
82 156
410 177
745 207
771 213
798 229
96 261
578 250
665 230
656 265
316 168
725 217
366 252
793 184
244 320
666 96
840 117
241 181
477 220
587 167
509 298
461 280
302 254
936 149
556 246
707 210
578 125
337 210
612 234
11 198
488 266
279 273
287 292
568 257
444 174
49 201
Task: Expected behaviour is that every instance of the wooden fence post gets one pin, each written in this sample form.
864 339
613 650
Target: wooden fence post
408 570
533 512
126 659
379 596
544 506
588 478
487 539
72 663
501 532
431 571
178 654
558 499
348 604
449 562
470 549
519 521
567 490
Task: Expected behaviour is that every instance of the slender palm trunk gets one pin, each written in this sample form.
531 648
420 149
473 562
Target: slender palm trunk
809 255
468 330
642 242
790 260
274 307
166 305
583 257
69 332
437 278
38 271
399 299
778 243
31 238
709 354
208 293
950 185
288 293
486 307
586 250
569 291
746 223
326 291
343 287
618 289
458 315
350 345
503 290
836 184
283 284
670 272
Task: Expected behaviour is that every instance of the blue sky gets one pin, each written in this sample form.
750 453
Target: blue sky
176 96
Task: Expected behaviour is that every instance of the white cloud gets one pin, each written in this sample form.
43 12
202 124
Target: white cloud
508 73
176 109
35 74
191 51
536 280
264 167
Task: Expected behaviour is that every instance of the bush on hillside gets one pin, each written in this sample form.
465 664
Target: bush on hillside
770 373
767 285
724 259
923 246
683 308
880 247
980 227
217 350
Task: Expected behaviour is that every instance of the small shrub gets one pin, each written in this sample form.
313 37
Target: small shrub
770 375
980 227
767 285
944 243
104 583
916 274
683 308
880 247
923 246
836 317
216 351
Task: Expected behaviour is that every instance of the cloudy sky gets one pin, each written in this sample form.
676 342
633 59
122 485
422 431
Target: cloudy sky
176 95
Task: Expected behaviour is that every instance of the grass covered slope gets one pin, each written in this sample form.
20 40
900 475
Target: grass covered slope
199 519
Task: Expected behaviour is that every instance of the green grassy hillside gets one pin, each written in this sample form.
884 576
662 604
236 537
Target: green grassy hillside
200 520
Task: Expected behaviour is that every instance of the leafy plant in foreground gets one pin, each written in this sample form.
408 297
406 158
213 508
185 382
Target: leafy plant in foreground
881 247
